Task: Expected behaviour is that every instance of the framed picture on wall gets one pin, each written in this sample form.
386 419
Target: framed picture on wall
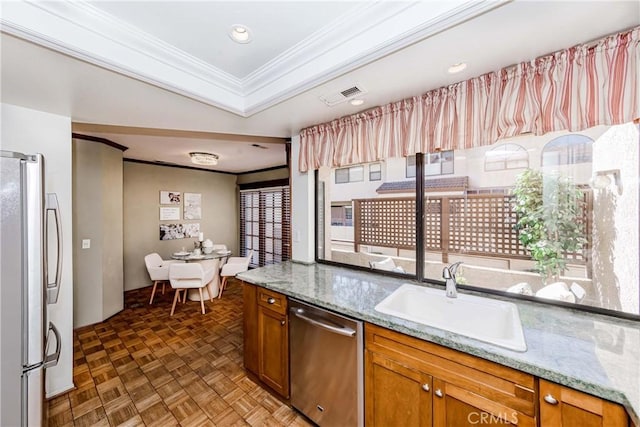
191 230
179 231
169 214
192 206
170 198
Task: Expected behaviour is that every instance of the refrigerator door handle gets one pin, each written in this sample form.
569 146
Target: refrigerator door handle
54 288
51 360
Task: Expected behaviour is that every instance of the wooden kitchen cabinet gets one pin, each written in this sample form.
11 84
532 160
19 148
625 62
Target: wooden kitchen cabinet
563 406
266 337
396 395
250 327
413 382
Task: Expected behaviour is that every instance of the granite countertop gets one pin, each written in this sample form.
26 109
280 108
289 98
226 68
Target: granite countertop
593 353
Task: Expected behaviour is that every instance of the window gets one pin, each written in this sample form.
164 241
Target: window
265 225
506 156
440 163
375 172
250 223
498 224
568 150
351 174
342 215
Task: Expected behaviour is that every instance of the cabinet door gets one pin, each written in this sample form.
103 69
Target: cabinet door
457 406
250 328
394 394
273 348
562 406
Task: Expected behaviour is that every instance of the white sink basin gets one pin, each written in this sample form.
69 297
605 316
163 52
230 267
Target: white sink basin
492 321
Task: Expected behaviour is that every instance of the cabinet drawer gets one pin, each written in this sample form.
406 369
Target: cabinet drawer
272 300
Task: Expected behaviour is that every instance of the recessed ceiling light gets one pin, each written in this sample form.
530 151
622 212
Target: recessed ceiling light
356 102
456 68
240 34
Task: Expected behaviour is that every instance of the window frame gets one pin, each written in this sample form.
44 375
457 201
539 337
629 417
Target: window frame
348 170
506 160
420 257
379 171
442 160
284 206
566 151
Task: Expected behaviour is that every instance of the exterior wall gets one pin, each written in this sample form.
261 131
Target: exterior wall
615 255
469 163
364 189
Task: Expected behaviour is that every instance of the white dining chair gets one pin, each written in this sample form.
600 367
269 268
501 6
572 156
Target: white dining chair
158 270
233 266
189 276
213 287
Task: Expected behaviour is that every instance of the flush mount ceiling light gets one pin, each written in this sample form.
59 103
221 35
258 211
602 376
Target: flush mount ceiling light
356 102
240 34
204 159
456 68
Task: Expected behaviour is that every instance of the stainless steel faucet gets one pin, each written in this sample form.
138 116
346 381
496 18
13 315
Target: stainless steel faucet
449 274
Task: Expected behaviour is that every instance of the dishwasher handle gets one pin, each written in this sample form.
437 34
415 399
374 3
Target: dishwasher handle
341 330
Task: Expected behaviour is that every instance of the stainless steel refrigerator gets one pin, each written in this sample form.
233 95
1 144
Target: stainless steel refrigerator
31 247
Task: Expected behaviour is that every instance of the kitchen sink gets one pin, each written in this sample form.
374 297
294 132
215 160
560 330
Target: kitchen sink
493 321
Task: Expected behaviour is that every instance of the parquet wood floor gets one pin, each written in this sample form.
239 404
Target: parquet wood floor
142 367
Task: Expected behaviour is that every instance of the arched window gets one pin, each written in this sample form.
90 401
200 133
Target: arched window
506 156
567 150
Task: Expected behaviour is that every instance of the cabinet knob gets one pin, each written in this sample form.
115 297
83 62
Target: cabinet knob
282 322
425 387
550 399
438 392
271 300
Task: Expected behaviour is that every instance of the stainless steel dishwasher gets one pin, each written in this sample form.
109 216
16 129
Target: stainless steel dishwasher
326 366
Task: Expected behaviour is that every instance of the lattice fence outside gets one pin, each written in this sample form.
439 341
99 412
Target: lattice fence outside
484 225
432 224
385 222
479 224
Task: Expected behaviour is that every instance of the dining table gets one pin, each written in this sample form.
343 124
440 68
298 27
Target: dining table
219 257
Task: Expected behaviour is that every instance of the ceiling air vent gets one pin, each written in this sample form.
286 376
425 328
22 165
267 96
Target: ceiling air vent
336 98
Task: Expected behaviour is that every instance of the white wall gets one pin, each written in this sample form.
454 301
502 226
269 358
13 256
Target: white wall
31 131
302 205
98 217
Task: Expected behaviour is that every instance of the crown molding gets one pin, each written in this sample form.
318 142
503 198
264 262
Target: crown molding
82 31
364 34
359 37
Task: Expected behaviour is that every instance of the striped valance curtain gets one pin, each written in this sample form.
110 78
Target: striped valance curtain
572 89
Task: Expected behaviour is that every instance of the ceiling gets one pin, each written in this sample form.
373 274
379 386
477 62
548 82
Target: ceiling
164 78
